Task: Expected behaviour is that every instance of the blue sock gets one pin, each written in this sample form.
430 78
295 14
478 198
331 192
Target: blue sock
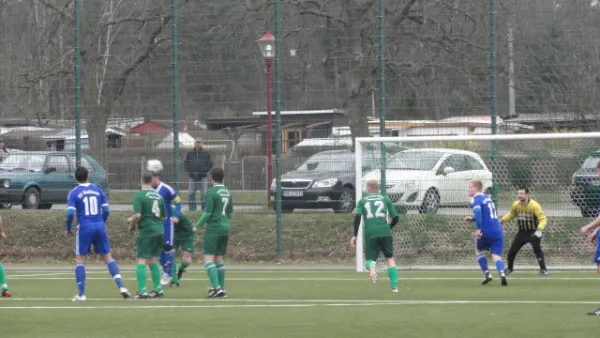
500 266
169 257
80 278
113 268
163 261
482 260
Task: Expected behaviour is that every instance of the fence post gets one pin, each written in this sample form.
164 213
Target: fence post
278 218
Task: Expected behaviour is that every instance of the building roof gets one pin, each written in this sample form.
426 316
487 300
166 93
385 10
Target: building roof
149 127
303 112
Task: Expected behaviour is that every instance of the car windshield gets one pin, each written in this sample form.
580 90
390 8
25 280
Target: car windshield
590 163
328 162
27 162
414 160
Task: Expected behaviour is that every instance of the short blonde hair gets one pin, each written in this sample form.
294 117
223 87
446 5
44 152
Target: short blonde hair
477 183
373 185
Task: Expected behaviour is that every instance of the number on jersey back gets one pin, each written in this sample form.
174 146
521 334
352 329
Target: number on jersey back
87 200
377 212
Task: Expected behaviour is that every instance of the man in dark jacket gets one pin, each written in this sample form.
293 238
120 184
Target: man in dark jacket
198 164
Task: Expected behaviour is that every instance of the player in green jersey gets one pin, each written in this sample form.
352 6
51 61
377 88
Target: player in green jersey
185 241
218 211
375 210
3 284
149 214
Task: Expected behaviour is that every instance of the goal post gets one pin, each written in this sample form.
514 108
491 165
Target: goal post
426 179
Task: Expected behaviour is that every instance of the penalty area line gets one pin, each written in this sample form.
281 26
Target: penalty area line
299 279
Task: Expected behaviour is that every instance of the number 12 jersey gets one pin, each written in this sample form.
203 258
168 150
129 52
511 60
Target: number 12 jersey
376 210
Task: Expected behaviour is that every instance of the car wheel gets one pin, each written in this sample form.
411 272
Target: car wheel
31 199
46 206
588 212
431 202
346 203
5 206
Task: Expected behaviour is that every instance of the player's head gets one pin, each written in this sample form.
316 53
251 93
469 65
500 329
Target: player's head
372 186
217 175
155 180
523 193
474 187
81 174
198 144
147 179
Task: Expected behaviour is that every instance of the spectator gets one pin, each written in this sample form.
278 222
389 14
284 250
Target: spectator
197 164
2 147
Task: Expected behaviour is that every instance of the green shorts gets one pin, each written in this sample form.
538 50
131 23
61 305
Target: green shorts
375 245
215 244
148 246
185 242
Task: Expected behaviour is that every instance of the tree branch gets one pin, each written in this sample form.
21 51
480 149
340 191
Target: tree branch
62 12
405 13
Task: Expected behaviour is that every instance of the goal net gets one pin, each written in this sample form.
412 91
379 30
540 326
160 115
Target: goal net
426 178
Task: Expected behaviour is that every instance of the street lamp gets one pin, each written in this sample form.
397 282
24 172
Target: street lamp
267 48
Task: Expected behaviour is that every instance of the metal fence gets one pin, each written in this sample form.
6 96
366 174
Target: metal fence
126 81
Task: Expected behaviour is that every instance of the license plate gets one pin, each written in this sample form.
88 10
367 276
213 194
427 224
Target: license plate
293 193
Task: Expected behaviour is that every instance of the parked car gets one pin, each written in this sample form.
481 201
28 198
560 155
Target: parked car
585 187
325 181
429 178
36 180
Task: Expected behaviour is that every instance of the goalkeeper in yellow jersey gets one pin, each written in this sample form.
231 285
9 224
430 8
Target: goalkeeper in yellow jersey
531 222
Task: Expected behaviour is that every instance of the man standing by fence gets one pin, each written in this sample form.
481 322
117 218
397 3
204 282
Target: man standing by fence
197 164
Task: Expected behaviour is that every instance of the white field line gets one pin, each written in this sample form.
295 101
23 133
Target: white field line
296 305
316 279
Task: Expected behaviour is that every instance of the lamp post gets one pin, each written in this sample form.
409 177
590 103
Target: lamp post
267 48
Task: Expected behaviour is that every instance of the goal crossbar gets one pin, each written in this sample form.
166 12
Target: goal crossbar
359 141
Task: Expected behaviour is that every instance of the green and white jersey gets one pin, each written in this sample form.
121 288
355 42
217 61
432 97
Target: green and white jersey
151 206
220 206
375 210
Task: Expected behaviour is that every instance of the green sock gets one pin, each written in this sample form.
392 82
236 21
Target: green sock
221 273
393 274
140 274
183 265
368 264
211 272
174 273
3 285
155 273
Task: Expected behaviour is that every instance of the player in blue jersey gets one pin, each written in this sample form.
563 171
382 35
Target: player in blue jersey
489 231
167 257
593 237
89 203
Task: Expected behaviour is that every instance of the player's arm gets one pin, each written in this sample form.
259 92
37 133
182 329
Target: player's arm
176 201
359 212
137 213
511 214
105 207
592 225
208 210
71 209
541 218
393 212
229 209
477 216
2 234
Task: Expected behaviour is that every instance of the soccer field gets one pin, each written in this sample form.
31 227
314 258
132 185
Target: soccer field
306 304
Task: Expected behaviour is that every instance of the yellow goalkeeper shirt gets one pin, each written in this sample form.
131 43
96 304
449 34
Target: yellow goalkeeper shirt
530 215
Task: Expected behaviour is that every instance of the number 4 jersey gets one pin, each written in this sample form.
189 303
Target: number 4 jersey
151 206
220 206
376 211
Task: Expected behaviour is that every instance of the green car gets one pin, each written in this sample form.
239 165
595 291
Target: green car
36 180
585 190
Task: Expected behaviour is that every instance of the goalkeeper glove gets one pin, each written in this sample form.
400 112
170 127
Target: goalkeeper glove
538 233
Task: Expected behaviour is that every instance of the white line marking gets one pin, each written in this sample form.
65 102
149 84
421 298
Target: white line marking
296 305
324 279
53 274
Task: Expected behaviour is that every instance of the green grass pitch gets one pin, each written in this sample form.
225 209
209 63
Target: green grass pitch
265 304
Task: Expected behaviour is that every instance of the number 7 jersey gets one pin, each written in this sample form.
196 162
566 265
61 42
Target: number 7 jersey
376 211
220 206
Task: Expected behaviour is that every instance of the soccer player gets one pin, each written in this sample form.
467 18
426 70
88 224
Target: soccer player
3 284
89 203
594 225
531 221
149 213
218 211
185 240
489 231
375 210
170 197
